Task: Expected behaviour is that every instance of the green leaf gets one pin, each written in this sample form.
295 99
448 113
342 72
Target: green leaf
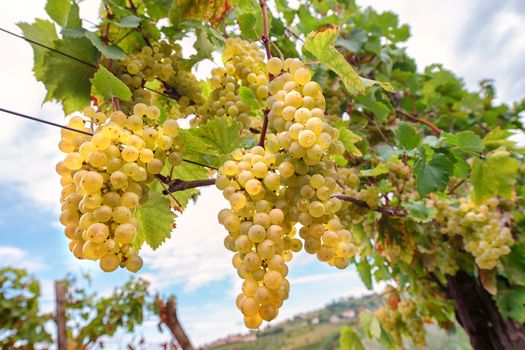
58 10
364 270
155 220
348 138
73 18
212 142
407 137
511 302
380 169
498 137
321 45
158 9
340 161
384 85
514 265
112 52
66 80
369 324
494 176
466 141
108 85
248 97
434 175
249 15
419 212
129 22
43 32
348 340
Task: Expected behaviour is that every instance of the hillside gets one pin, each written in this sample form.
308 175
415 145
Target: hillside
319 330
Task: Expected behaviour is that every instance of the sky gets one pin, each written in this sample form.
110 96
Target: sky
475 39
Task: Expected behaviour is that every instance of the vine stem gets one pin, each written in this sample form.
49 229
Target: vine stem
435 129
176 185
385 210
266 42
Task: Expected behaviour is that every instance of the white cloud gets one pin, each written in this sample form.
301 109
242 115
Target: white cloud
18 258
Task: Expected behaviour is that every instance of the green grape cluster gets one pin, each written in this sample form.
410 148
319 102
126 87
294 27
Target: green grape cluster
161 63
389 319
259 232
243 66
335 102
105 179
482 228
413 322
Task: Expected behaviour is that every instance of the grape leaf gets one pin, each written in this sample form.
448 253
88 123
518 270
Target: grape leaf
348 340
158 9
467 141
43 32
514 265
494 176
321 45
248 97
108 85
364 270
419 212
112 52
407 137
434 175
384 85
155 220
511 302
348 138
380 169
212 142
67 80
58 10
129 22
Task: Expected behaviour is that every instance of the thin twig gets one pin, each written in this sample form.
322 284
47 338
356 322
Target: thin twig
295 35
49 48
435 129
165 190
175 185
264 128
45 121
378 128
266 32
200 164
385 210
453 188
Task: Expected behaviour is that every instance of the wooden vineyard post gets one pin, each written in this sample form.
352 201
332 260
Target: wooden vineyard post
60 317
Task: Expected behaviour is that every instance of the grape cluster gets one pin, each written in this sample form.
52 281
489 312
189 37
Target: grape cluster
244 66
162 63
259 233
413 322
482 228
105 178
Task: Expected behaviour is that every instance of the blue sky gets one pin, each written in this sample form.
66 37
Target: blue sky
475 39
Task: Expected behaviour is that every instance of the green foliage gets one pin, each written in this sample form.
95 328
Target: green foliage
494 176
349 340
211 143
321 45
21 321
155 220
433 176
109 86
407 137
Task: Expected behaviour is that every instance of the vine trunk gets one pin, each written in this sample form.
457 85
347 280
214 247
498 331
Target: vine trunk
478 314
